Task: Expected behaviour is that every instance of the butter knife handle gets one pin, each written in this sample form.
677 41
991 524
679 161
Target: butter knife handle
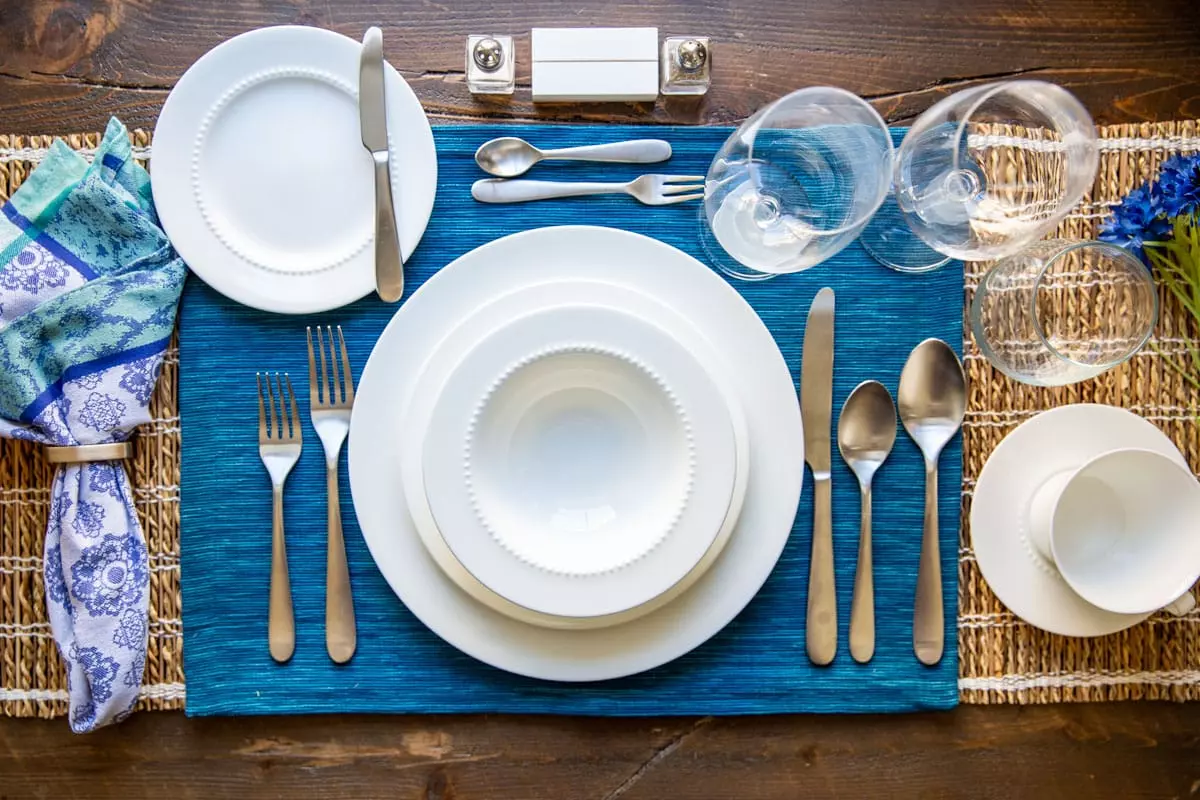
822 592
389 266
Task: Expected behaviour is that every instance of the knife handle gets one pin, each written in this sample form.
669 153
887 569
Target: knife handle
389 266
822 593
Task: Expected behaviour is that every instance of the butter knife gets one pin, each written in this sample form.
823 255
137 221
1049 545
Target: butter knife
372 117
816 408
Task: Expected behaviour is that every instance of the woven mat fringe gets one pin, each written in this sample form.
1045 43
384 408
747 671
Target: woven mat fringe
1001 659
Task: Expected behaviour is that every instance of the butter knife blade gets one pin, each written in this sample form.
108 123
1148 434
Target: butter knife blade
372 117
816 409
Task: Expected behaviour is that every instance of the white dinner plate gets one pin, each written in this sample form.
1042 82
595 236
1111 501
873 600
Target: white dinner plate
758 372
425 393
579 461
261 179
1052 443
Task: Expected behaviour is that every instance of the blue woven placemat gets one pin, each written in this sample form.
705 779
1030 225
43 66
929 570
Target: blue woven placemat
756 665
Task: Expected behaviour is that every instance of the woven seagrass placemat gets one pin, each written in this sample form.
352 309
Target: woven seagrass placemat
1001 659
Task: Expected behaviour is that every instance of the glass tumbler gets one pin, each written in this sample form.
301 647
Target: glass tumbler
795 183
1063 311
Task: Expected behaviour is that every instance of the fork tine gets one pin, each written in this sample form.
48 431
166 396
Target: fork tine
678 188
262 414
334 397
284 422
324 366
314 395
682 178
297 428
347 375
680 198
271 427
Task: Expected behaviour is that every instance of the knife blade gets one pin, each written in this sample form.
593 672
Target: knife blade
372 118
816 409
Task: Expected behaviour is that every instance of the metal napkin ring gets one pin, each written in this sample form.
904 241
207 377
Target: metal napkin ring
84 453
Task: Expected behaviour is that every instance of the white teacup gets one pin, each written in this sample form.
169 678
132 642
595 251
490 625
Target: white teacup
1124 531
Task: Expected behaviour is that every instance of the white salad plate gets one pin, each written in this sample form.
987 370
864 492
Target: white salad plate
482 323
579 461
696 296
1053 443
261 179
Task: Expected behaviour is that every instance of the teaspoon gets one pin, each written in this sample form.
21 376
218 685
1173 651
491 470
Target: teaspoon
866 433
509 156
933 401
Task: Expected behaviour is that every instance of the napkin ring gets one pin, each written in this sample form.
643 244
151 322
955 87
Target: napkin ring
85 453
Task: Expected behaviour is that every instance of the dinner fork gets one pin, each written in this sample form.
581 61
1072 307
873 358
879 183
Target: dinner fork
652 190
279 441
330 400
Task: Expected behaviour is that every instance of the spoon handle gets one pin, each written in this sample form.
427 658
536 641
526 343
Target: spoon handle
821 628
928 621
636 151
862 607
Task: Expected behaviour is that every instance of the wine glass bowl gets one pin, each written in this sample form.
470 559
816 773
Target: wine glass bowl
984 173
796 183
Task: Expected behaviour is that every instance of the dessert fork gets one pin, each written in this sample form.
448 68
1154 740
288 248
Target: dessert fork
330 400
652 190
279 442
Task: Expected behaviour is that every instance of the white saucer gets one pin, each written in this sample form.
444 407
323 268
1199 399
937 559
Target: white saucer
579 461
758 374
479 325
1051 444
260 177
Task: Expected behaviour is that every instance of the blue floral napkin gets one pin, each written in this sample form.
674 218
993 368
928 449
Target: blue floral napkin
89 285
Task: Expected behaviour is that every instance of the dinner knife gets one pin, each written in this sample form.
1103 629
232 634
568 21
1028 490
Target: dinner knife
372 117
816 409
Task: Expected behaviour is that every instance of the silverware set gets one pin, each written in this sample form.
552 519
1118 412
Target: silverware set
508 157
280 440
932 403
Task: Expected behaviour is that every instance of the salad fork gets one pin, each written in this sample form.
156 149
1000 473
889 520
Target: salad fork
330 400
651 190
279 443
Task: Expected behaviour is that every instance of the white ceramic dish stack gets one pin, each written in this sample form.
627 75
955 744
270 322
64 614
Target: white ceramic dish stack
597 453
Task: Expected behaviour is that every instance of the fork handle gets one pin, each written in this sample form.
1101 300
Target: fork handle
281 625
497 190
341 636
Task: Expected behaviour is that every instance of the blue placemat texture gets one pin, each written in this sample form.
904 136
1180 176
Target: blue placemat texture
756 665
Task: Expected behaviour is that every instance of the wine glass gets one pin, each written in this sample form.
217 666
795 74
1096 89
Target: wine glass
795 183
1063 311
982 174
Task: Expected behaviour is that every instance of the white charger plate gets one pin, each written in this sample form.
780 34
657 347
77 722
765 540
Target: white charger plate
1052 443
759 376
261 179
579 461
477 327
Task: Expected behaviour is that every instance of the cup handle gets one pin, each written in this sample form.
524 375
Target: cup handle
1182 605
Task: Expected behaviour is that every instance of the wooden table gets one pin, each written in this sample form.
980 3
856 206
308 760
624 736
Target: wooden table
66 65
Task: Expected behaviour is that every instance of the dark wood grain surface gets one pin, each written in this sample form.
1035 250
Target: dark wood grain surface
66 65
1125 751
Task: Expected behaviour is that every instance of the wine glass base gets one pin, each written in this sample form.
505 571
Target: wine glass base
891 242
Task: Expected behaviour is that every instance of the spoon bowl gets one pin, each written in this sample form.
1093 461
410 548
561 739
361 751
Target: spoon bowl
933 402
507 157
866 433
867 429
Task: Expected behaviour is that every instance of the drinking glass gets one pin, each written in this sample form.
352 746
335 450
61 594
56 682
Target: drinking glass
1063 311
982 174
795 183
